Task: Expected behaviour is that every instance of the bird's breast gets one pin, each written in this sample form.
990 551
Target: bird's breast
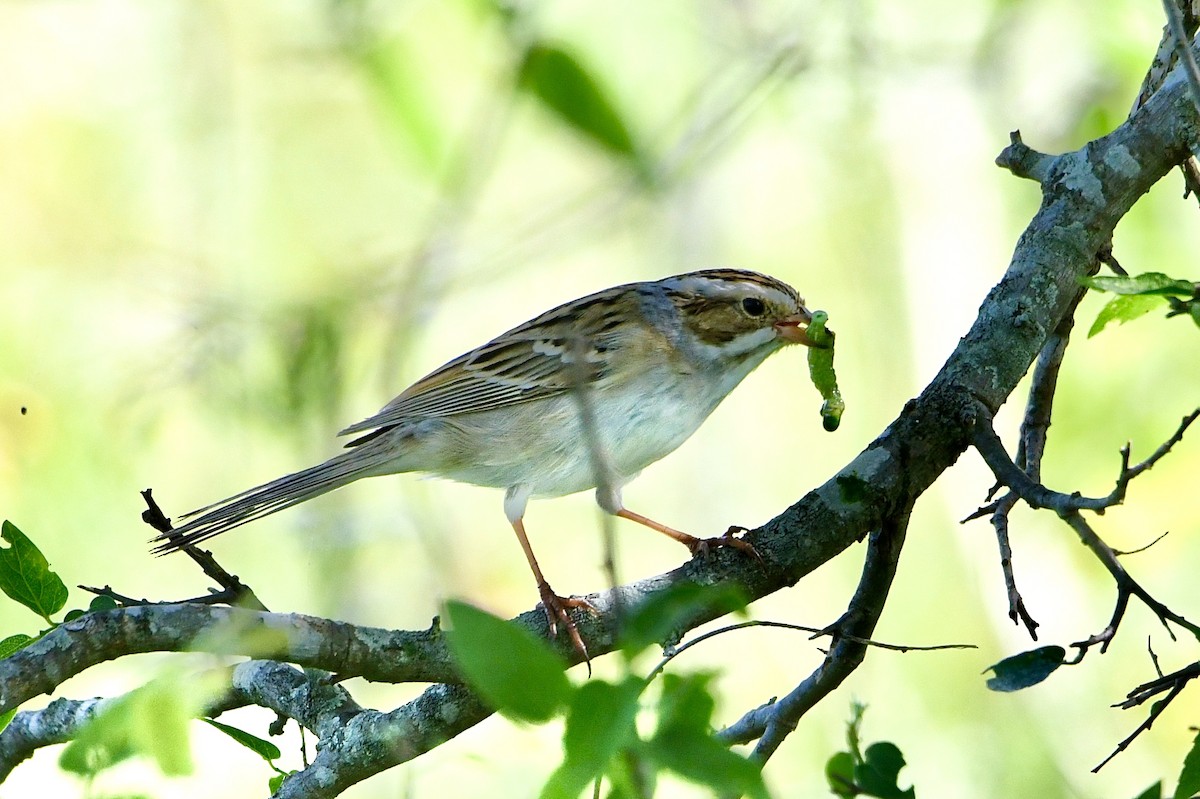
549 445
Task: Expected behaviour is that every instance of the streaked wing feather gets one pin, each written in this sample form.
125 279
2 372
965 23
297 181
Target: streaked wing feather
522 365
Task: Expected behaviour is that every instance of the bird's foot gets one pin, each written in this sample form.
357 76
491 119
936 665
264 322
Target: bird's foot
705 546
556 612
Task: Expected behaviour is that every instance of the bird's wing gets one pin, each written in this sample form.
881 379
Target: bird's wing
569 346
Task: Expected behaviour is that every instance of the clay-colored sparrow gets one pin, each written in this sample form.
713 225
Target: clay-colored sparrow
584 396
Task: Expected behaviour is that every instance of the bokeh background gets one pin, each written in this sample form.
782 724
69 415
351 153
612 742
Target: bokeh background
228 229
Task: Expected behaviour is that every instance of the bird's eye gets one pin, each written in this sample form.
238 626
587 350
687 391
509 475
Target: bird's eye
754 306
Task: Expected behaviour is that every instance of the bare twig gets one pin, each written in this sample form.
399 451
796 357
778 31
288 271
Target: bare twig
1153 657
772 722
1126 587
1068 507
1037 495
1173 684
1143 548
1106 257
1032 447
238 593
223 597
1163 682
1017 612
1155 712
816 632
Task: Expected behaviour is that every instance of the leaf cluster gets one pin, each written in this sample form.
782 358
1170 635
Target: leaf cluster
26 578
1137 295
150 720
873 771
617 730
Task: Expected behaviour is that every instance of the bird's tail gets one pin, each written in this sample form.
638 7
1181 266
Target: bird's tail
220 517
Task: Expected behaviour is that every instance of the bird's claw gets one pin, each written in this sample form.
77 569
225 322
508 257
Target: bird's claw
556 607
705 546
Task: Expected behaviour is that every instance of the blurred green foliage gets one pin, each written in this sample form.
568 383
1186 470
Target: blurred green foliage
601 740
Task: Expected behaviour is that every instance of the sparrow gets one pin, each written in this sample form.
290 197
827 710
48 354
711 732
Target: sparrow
584 396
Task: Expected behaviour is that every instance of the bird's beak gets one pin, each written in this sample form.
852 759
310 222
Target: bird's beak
794 329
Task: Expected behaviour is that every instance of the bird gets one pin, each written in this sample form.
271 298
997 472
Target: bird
583 396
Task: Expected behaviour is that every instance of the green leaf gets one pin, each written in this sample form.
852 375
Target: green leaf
1026 669
683 741
265 749
6 718
1189 777
100 603
1148 283
517 673
15 643
1153 792
686 702
567 89
147 721
276 782
1123 309
877 775
839 772
25 574
697 756
631 775
665 613
600 723
151 720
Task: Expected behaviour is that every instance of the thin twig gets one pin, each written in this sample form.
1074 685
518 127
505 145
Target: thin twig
1068 507
1155 711
1152 688
1153 657
1017 611
1037 495
771 722
1123 552
816 632
238 592
1106 257
1035 427
1126 587
223 597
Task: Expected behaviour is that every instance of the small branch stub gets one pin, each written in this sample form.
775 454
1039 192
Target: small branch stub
1023 161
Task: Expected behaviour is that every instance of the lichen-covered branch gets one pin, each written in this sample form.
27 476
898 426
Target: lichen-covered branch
348 649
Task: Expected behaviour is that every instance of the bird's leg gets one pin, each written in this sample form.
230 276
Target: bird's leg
701 546
554 605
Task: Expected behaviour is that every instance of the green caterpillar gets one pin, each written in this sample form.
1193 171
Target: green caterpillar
820 370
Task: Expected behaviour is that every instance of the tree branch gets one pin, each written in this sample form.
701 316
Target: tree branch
1068 507
350 650
771 723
